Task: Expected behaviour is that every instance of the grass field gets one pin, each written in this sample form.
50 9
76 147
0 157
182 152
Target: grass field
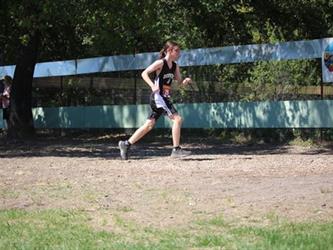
77 194
60 229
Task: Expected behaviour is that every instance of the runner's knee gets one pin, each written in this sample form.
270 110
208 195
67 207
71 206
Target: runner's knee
178 119
150 124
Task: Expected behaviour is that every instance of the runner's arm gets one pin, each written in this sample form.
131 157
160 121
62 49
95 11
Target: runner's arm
155 67
179 79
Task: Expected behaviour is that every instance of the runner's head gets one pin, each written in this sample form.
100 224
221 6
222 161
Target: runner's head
8 80
170 47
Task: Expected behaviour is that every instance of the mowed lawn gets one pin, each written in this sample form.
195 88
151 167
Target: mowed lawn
72 229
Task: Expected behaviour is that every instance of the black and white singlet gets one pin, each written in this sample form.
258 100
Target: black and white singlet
164 80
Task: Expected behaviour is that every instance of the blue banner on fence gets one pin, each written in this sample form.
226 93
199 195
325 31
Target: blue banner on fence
194 57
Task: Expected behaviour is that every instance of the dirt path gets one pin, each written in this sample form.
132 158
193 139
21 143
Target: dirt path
241 183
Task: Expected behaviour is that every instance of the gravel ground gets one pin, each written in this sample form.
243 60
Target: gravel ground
242 183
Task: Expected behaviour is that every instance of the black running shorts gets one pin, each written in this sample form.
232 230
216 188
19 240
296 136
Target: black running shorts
167 109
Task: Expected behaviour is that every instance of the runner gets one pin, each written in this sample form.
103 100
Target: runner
5 99
165 70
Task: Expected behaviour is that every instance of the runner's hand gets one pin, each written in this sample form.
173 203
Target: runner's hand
187 81
155 88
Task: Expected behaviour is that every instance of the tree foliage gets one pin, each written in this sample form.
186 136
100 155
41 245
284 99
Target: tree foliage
48 30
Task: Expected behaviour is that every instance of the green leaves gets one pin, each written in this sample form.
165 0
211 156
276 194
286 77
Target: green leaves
82 28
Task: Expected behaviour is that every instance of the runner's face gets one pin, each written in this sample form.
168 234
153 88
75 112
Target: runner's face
7 83
175 52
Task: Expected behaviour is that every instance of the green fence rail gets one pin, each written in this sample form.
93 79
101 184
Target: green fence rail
1 121
270 114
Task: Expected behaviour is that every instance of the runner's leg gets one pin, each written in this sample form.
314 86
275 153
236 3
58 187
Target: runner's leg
142 131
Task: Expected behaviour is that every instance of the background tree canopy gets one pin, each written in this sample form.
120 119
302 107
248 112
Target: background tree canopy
37 31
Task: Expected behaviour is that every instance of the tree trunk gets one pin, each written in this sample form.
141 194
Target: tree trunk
20 119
